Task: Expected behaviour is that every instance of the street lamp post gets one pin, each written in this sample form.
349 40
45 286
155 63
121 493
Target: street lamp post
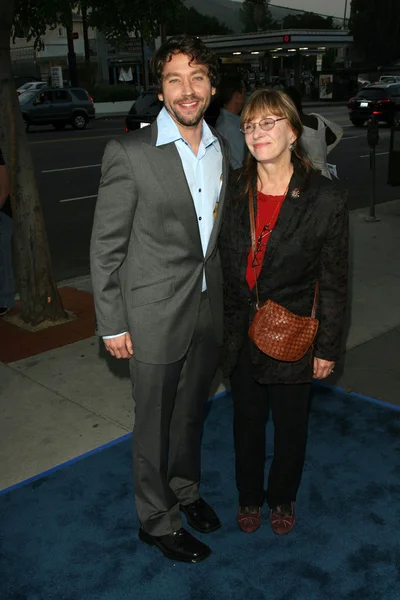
344 16
373 140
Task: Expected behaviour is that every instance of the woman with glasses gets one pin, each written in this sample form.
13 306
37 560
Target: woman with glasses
301 232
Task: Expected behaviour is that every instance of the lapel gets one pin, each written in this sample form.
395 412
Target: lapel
291 206
221 201
167 166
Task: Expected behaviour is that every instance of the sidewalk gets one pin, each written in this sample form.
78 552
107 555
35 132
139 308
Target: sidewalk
67 400
105 110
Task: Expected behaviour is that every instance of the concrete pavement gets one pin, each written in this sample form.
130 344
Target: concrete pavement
59 404
121 109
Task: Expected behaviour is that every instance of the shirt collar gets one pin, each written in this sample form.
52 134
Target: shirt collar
168 131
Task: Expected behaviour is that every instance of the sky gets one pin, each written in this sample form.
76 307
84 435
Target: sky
324 7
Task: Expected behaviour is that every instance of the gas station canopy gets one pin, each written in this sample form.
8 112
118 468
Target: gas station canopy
279 42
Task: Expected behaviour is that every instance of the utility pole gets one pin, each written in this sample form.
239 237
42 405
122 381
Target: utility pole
344 16
73 69
345 13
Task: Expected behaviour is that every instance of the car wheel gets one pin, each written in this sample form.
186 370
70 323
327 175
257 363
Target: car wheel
357 122
59 126
79 121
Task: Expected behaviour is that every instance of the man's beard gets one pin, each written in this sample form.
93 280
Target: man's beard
189 120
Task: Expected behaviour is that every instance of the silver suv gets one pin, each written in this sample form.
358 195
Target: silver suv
58 107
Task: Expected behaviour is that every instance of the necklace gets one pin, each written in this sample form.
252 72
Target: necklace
266 230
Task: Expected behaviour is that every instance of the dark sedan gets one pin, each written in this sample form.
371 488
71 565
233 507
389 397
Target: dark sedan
381 100
146 108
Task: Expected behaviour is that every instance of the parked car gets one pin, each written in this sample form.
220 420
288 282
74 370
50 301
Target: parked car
381 100
147 106
32 86
143 111
389 79
58 107
19 80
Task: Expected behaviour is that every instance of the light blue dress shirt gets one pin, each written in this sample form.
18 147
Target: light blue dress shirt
203 171
203 174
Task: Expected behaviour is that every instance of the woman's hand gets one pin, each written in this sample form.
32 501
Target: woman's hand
322 368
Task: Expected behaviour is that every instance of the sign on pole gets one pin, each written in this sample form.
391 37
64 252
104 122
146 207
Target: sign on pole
56 76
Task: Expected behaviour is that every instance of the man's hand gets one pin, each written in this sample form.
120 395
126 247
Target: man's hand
322 368
120 347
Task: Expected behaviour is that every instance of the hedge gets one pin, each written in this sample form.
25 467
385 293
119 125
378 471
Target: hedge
113 93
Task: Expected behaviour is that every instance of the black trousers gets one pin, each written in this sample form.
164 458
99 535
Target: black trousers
289 406
169 413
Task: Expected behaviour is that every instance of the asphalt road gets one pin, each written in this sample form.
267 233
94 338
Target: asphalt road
67 164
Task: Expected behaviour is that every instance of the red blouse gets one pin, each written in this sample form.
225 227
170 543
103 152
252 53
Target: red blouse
268 208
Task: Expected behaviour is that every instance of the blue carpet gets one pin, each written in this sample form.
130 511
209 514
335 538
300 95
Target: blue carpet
72 534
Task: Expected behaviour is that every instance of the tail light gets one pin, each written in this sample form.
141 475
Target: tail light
377 112
91 99
385 101
126 126
352 99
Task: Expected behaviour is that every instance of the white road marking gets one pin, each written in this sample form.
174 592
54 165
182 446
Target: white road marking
70 168
376 154
79 198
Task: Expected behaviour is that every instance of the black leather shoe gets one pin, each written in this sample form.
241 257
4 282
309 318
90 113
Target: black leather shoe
180 545
201 516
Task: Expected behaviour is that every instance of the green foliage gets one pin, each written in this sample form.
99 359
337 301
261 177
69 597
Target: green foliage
255 15
32 16
115 19
308 20
189 20
113 93
375 25
118 18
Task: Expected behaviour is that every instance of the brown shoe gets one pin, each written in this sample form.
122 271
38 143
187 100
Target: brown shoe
282 518
249 518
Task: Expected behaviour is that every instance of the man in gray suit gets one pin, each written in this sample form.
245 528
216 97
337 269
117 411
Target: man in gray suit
158 289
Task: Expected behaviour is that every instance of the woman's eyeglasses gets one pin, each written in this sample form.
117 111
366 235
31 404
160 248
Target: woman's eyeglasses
265 124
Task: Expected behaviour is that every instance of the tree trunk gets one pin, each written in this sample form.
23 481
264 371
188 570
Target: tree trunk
85 33
38 291
73 69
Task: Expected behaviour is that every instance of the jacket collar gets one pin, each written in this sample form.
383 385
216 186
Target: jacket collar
292 205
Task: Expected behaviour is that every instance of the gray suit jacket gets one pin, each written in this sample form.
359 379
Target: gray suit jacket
146 256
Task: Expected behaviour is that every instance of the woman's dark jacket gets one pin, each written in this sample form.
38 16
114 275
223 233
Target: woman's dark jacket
308 244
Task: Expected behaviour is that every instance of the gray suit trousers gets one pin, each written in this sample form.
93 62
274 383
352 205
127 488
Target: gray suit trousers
169 403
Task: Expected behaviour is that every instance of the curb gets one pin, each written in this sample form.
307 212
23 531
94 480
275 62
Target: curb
324 104
119 114
105 116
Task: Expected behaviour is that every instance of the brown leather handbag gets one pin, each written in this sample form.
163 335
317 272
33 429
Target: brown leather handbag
275 330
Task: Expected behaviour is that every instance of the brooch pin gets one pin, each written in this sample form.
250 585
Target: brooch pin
295 193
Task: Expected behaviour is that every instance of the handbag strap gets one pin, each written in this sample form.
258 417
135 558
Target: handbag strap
254 249
315 304
253 238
